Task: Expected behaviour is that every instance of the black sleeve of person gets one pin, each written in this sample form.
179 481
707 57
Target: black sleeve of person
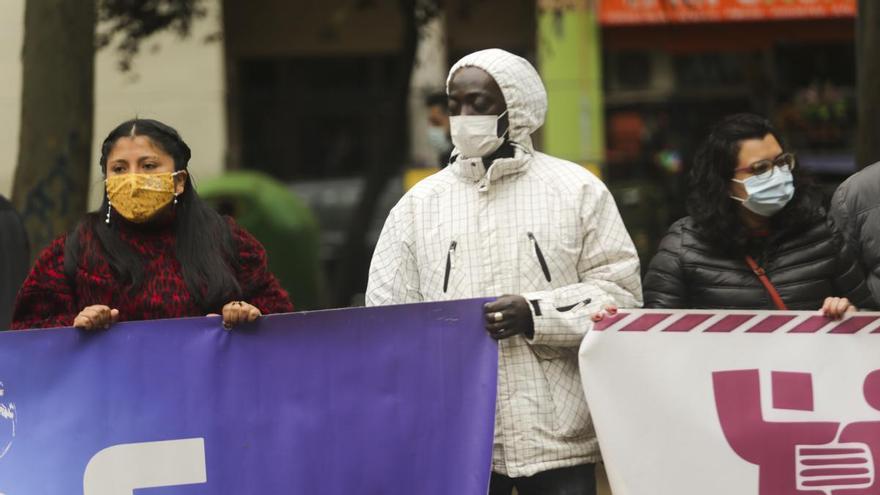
14 259
850 280
664 285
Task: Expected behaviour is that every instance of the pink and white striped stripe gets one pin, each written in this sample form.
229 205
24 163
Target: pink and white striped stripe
735 321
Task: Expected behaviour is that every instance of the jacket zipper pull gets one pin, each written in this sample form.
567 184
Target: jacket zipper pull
449 253
565 309
540 256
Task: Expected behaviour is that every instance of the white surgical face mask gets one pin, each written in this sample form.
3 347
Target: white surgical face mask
767 195
476 136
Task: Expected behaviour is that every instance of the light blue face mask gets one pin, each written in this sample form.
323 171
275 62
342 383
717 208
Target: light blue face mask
438 138
769 192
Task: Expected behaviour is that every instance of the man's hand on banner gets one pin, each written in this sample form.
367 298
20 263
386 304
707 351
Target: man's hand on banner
96 317
836 307
507 316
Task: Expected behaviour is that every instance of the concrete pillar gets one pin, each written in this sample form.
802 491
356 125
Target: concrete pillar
570 61
428 76
11 39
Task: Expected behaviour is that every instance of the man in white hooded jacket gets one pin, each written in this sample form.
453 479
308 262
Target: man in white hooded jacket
504 219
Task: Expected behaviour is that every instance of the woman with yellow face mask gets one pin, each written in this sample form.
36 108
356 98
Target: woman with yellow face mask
154 249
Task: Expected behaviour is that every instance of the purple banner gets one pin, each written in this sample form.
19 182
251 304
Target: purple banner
393 400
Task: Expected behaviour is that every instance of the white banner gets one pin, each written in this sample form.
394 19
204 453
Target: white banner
736 402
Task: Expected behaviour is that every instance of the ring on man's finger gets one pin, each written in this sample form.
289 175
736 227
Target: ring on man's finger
498 316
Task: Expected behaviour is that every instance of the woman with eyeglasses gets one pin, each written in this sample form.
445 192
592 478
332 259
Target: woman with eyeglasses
757 236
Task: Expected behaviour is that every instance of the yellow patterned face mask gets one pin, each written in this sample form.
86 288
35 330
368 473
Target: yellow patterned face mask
138 197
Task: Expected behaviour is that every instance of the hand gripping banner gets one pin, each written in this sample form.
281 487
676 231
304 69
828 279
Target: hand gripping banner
736 402
392 400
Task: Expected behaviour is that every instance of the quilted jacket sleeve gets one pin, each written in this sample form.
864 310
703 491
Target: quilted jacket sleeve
854 210
840 214
664 283
608 270
850 280
394 276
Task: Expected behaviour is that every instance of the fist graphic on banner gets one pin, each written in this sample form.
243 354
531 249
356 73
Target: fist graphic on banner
828 457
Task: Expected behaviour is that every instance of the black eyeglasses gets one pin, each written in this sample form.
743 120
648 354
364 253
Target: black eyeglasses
765 168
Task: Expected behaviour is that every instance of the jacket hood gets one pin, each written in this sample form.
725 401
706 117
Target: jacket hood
520 84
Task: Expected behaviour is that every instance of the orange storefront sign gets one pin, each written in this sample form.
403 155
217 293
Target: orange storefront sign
623 12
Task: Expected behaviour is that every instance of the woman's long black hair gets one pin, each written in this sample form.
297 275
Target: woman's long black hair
203 241
715 215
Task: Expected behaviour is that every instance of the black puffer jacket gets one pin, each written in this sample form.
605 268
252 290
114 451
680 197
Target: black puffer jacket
14 259
856 211
805 268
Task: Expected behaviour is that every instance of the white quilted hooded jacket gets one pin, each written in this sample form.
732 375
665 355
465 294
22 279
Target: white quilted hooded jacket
532 225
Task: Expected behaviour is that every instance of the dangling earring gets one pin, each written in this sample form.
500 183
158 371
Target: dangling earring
107 220
175 200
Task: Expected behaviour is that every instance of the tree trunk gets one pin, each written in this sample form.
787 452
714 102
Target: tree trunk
233 92
54 158
868 82
354 258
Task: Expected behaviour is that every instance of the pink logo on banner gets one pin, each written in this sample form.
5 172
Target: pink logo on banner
799 458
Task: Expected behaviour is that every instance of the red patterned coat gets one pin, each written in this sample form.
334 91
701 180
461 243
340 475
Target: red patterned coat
49 298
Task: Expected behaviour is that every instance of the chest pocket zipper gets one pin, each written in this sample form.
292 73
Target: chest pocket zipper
449 254
540 255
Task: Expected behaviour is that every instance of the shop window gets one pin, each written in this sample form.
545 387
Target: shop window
711 70
815 104
316 117
629 70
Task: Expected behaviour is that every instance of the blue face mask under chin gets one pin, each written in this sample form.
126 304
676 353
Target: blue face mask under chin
767 196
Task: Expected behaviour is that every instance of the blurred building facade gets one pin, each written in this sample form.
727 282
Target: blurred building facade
303 90
309 81
178 81
308 84
671 69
